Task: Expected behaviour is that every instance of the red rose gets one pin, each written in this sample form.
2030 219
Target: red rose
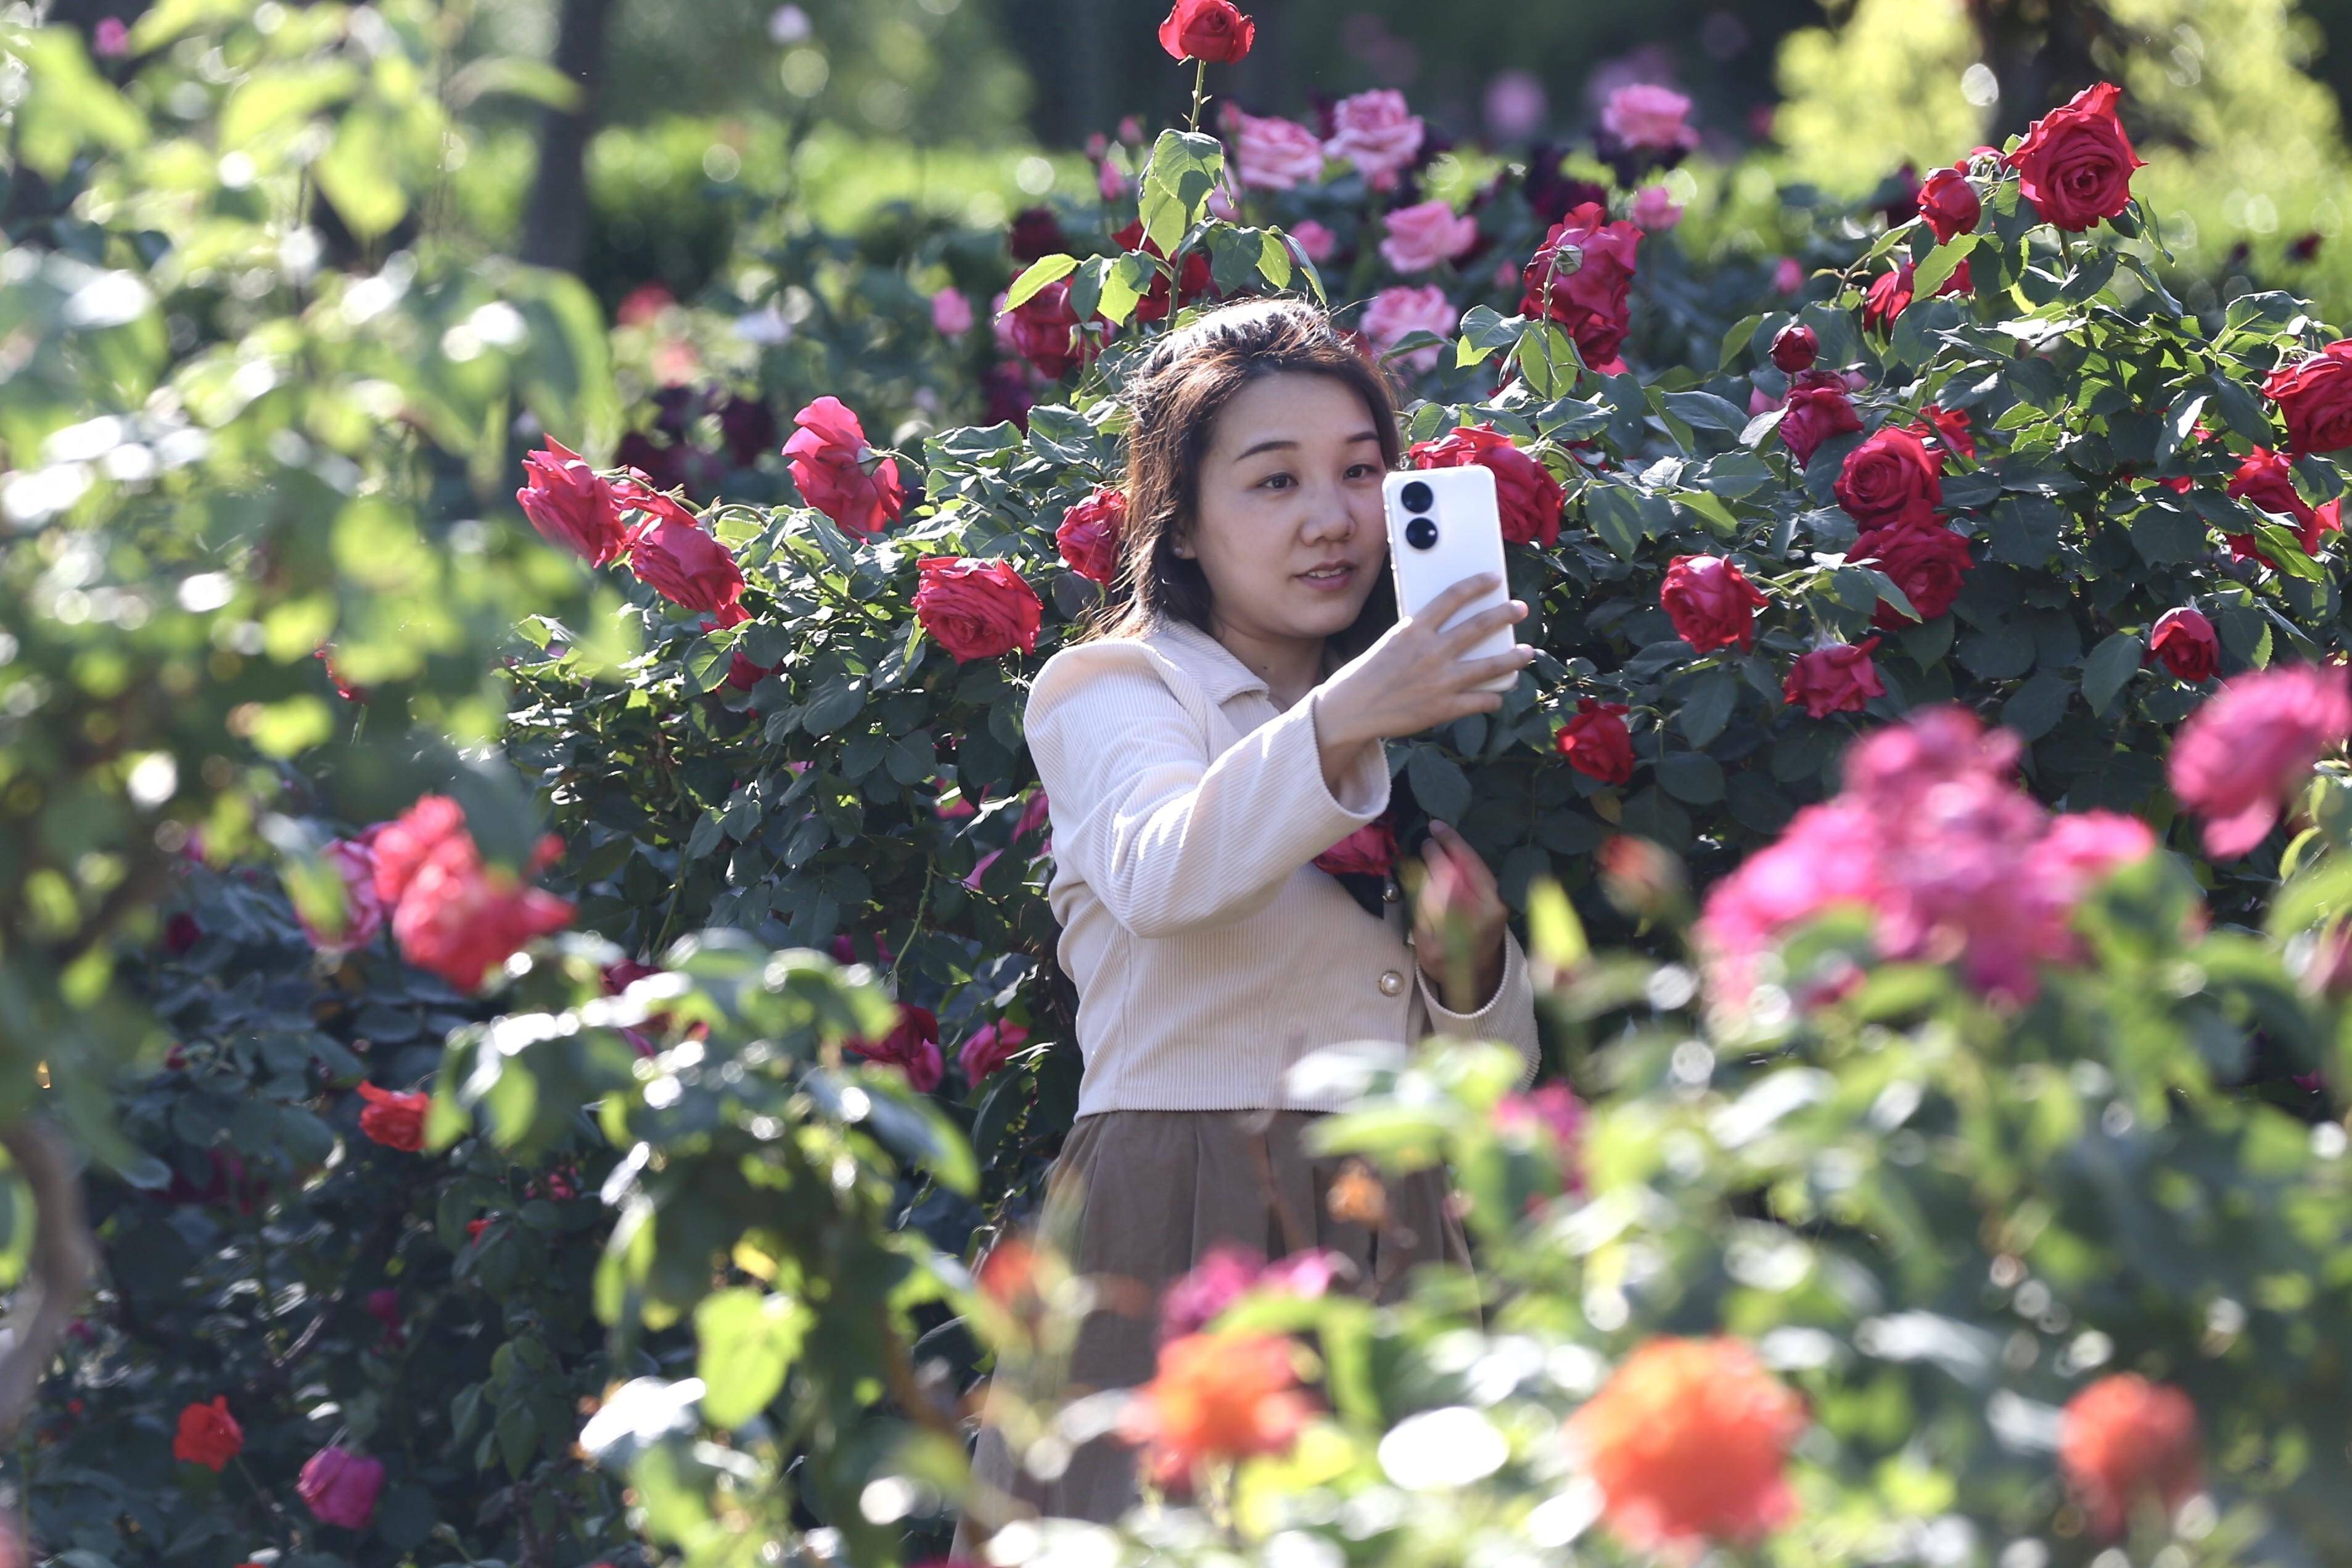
1945 432
1794 348
403 846
450 914
990 1048
1210 30
1927 564
912 1046
570 505
1596 741
1839 678
1371 850
2184 640
1949 204
977 609
1045 331
839 473
209 1436
1591 302
1890 295
1154 305
688 567
1089 535
1890 479
1531 498
2315 396
394 1119
2075 163
1035 232
1814 414
474 1228
1711 603
2267 479
2125 1441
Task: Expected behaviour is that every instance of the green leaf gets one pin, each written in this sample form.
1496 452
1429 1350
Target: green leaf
356 174
2109 669
1708 706
746 1340
2037 706
2240 411
1045 269
1615 514
1548 358
1706 410
1441 786
1941 263
1693 777
1735 342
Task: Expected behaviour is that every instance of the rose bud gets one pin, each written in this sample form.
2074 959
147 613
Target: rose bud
1794 348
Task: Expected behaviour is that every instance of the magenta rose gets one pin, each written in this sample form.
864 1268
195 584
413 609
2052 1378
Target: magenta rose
2075 163
1891 479
1426 235
1596 742
1225 1272
839 473
1949 204
990 1048
951 313
1654 209
2315 397
2183 641
1927 564
341 1486
1794 348
677 560
354 859
1839 678
1711 603
1591 302
1275 154
1530 498
1210 30
1814 414
1377 134
1089 535
912 1046
1369 850
2241 757
977 609
570 505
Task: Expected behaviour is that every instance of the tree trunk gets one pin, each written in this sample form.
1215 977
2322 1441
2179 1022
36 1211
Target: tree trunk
556 225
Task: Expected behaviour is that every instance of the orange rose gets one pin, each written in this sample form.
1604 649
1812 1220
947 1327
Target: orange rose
1688 1441
1217 1396
2124 1440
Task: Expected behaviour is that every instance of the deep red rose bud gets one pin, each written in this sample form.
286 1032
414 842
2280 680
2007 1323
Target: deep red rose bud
2125 1441
1891 479
1045 331
209 1436
839 473
395 1119
570 505
2315 397
1530 498
1091 532
688 567
181 932
1210 30
977 609
2075 163
2184 641
1949 204
1596 741
1794 347
1711 603
1839 678
1370 850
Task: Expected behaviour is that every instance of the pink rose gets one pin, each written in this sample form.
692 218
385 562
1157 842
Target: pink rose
1654 209
1226 1272
688 567
1111 183
839 473
951 313
110 40
1552 1111
1650 117
1274 155
2240 755
363 910
1789 275
2183 641
912 1046
1426 234
990 1048
977 609
341 1486
1396 312
570 505
1839 678
1314 242
1377 134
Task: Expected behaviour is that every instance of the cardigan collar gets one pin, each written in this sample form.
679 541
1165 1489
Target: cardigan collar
1219 671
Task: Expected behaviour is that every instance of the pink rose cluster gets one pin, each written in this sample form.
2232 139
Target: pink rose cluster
2241 756
1932 837
1230 1270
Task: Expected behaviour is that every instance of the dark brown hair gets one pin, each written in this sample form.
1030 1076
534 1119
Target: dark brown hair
1174 396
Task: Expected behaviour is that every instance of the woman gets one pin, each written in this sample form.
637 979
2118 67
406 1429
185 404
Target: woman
1212 735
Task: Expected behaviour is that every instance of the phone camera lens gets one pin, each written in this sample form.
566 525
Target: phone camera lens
1415 496
1420 533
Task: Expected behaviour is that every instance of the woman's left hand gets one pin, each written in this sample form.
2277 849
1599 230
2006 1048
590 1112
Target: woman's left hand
1458 922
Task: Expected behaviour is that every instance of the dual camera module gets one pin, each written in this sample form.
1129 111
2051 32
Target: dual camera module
1420 531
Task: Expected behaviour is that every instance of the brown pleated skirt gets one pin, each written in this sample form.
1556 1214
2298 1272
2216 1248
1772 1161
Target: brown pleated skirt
1152 1191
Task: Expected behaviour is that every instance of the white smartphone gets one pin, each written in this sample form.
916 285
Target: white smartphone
1444 527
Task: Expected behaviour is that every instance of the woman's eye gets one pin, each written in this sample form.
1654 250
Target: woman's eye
1275 482
1364 471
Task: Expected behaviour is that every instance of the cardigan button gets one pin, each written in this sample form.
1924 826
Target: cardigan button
1388 893
1391 982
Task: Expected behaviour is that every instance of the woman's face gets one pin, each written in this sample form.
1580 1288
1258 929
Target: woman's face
1290 532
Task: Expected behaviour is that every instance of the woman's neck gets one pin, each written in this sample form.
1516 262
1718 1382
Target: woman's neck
1290 666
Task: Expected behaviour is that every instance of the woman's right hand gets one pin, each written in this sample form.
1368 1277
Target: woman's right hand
1415 677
